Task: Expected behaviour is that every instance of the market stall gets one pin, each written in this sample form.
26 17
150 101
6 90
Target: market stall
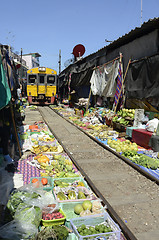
127 134
55 199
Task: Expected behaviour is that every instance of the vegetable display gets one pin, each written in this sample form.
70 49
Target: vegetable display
19 197
51 216
52 233
84 230
142 159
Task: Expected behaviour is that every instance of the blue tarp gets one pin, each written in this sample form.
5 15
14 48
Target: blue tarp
154 173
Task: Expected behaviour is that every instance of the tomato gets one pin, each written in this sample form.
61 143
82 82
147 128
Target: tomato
44 181
34 180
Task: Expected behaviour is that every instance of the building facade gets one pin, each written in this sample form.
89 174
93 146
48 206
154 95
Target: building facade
32 59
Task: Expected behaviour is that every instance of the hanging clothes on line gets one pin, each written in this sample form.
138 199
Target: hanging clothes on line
103 80
5 95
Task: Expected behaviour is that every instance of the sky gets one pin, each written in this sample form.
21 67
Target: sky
49 26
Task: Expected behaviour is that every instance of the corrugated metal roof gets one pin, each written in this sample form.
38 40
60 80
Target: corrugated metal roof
146 28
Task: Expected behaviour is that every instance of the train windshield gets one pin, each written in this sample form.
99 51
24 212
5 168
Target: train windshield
51 79
41 79
31 78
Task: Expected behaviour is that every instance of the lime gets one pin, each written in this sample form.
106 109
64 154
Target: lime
97 227
83 226
91 229
109 229
85 231
81 233
79 229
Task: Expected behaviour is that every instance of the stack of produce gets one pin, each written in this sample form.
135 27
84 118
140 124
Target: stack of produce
125 117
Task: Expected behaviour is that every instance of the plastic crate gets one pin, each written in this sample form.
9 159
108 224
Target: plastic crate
72 236
59 221
95 220
71 180
46 188
68 208
90 196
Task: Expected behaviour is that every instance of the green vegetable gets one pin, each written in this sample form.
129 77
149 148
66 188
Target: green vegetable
71 195
17 198
53 233
28 214
142 159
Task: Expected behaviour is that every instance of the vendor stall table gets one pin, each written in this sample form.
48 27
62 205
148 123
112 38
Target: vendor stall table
141 137
129 131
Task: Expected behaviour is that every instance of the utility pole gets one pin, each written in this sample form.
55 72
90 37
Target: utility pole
141 13
59 61
21 68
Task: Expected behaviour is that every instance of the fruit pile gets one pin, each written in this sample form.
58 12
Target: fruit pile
63 184
124 116
122 146
71 194
52 216
38 183
86 205
91 230
88 208
60 167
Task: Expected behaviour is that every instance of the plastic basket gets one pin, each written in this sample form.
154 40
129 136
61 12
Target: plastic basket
90 196
95 220
71 180
68 208
72 236
59 221
46 188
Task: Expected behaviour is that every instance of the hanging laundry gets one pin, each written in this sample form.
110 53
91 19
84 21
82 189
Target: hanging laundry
5 95
103 80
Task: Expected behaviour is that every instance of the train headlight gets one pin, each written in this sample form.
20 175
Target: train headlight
42 69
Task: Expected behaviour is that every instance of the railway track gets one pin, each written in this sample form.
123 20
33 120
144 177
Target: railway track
135 166
131 198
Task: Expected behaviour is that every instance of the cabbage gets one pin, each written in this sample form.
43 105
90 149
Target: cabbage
28 214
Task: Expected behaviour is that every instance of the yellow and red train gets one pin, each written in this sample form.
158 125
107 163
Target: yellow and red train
41 85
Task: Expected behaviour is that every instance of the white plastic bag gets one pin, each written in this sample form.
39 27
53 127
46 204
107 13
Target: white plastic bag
151 126
12 230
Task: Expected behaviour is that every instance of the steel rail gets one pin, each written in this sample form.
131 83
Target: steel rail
126 160
125 230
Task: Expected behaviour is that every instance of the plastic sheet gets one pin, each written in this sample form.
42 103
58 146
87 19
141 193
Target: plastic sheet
6 182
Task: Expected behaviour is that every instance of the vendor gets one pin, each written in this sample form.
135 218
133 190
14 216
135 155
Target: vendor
5 133
73 98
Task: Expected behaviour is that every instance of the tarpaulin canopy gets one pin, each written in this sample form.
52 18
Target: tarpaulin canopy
5 93
143 78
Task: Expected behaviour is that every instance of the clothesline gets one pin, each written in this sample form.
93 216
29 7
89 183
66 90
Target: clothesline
106 63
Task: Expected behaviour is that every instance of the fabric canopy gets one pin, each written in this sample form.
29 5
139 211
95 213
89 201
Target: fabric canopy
143 78
5 95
